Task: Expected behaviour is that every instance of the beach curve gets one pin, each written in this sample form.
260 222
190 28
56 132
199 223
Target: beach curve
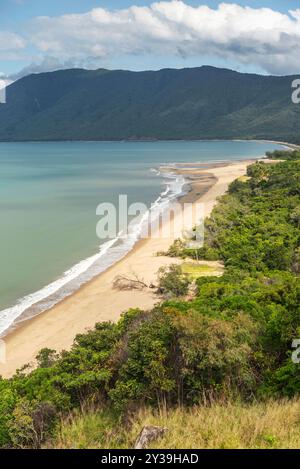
97 300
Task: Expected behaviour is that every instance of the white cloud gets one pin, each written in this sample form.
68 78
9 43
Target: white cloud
4 82
10 44
262 37
46 64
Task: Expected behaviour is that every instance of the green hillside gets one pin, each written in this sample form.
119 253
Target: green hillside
197 103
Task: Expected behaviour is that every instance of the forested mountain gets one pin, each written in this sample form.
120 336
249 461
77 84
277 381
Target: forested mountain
196 103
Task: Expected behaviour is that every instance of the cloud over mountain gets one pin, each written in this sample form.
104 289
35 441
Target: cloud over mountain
260 36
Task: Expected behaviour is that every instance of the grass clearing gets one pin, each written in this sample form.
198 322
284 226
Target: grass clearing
271 425
244 178
196 269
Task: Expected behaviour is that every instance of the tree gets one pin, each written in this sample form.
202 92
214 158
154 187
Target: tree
46 357
172 281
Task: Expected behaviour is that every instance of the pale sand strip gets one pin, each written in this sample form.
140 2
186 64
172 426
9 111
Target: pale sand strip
97 301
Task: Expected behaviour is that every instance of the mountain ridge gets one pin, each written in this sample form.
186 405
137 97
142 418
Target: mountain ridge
170 104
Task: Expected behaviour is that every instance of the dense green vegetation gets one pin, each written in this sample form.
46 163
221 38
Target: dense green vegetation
196 103
283 155
232 341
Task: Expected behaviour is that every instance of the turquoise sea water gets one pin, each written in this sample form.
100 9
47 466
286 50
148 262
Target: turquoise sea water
48 198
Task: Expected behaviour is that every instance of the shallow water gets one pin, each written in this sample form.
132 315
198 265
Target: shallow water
48 198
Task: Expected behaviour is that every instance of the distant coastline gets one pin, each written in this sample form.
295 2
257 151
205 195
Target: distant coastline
159 140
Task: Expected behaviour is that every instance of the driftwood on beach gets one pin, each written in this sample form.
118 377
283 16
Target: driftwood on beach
124 283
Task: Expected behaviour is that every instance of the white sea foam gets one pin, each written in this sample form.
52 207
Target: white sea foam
109 253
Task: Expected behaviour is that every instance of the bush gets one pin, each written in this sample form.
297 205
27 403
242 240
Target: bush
172 281
30 424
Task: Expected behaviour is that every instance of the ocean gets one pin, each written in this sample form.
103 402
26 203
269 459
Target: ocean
49 193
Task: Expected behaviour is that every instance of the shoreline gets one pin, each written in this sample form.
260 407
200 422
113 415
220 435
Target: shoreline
276 142
74 278
97 300
110 253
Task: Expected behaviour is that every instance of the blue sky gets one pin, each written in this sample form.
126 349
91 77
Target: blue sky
173 34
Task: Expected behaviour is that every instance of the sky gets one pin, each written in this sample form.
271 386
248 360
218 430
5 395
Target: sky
256 36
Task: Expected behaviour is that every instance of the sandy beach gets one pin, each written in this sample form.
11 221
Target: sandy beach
98 300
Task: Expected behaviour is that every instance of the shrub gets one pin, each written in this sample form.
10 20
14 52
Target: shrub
31 423
172 281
